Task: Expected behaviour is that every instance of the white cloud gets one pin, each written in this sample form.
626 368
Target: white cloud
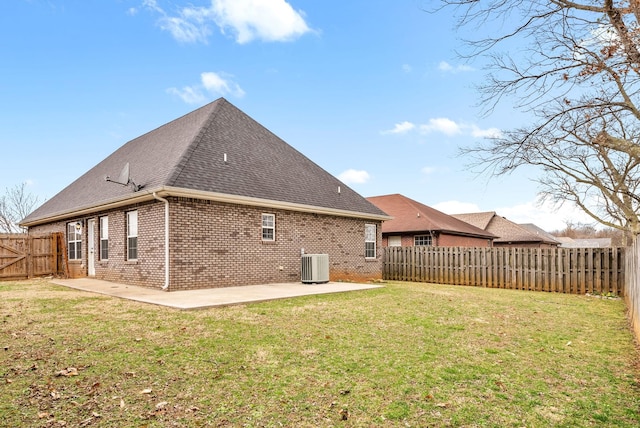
444 66
407 68
211 83
400 128
184 31
247 20
485 133
547 215
353 176
456 207
189 94
221 84
269 20
443 125
428 170
448 68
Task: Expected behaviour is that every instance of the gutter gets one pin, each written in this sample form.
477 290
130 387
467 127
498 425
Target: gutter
147 195
166 240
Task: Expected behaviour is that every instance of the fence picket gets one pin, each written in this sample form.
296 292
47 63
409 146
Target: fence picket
560 270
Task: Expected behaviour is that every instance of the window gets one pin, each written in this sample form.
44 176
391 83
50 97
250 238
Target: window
104 238
74 240
395 241
370 241
268 227
132 235
424 240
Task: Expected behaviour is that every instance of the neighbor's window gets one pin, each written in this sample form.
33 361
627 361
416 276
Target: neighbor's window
370 241
268 227
132 235
104 238
424 240
74 240
395 241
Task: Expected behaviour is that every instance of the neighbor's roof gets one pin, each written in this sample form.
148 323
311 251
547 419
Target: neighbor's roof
566 242
506 231
548 238
412 216
216 152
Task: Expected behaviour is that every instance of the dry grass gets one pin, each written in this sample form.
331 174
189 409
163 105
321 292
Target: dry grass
405 355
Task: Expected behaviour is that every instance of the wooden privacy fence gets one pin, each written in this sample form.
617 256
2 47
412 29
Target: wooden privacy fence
25 256
562 270
632 285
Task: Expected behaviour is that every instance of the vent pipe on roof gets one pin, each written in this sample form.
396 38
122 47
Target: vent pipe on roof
338 190
224 158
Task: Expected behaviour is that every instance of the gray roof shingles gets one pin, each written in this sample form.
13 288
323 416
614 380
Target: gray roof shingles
189 152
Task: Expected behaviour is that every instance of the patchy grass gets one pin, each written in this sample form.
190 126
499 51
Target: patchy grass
405 355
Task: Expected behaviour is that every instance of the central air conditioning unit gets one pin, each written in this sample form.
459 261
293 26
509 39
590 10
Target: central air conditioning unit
315 268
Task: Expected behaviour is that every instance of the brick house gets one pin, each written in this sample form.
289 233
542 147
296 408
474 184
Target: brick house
508 233
416 224
211 199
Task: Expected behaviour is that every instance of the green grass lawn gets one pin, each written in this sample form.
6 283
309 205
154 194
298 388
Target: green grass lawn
409 354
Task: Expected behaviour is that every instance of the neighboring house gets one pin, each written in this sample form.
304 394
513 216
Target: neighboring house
540 232
211 199
509 234
566 242
416 224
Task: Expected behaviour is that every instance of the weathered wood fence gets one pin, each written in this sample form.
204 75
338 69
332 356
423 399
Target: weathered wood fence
632 285
25 256
561 270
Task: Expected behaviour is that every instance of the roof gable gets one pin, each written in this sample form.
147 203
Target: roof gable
412 216
480 220
505 230
216 149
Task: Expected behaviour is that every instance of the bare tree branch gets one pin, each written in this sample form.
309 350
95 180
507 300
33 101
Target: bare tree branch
15 205
576 74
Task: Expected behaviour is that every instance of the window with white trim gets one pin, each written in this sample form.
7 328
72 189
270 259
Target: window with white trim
268 227
394 241
370 241
104 238
74 240
132 235
422 240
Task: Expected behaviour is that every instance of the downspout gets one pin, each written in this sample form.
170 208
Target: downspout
166 240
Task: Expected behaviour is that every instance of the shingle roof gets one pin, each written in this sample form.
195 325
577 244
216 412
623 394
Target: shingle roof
566 242
412 216
189 153
505 230
543 234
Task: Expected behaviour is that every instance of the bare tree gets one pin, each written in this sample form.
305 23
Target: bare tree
576 74
15 204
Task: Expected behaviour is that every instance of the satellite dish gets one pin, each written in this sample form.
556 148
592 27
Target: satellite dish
124 178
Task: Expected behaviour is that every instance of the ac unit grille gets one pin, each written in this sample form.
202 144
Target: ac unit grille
315 268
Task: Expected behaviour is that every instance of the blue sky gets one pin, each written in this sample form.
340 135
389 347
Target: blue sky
371 91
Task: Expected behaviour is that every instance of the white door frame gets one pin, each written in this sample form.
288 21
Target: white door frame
91 244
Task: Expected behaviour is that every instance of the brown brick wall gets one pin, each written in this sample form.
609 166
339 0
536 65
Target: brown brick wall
446 240
442 240
219 245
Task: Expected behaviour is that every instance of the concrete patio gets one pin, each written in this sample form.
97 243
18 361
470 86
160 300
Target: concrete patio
210 297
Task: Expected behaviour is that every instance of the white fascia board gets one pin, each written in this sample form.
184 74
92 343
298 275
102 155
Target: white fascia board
164 191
